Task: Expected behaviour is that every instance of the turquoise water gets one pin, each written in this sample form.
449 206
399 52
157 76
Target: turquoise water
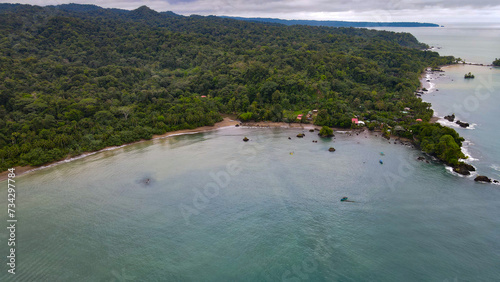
219 209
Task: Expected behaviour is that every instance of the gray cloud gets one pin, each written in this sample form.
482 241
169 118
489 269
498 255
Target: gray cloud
362 10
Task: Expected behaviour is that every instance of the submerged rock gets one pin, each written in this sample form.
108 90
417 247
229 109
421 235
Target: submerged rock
482 178
300 135
331 149
245 139
311 130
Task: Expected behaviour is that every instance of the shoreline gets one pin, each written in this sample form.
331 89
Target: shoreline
428 79
226 122
21 170
308 126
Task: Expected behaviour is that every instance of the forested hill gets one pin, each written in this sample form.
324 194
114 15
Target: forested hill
79 78
336 23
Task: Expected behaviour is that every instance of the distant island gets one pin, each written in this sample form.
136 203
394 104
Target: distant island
496 62
335 23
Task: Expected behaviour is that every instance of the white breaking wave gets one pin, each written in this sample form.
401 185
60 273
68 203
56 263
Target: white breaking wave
431 86
465 150
449 169
447 123
495 167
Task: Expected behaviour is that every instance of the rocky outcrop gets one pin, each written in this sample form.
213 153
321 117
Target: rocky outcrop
300 135
245 139
462 124
331 149
464 169
450 118
311 130
482 178
421 158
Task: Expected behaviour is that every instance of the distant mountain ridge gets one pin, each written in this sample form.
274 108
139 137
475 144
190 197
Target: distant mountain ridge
146 13
335 23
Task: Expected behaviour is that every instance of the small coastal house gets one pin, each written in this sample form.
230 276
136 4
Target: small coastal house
419 120
361 123
203 96
299 117
354 120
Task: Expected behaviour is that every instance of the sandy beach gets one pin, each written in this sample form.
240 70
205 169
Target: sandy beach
19 170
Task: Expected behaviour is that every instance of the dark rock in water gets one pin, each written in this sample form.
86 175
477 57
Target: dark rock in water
317 129
461 170
482 178
462 124
331 149
300 135
311 130
495 181
421 158
469 167
450 117
245 139
289 138
237 125
464 168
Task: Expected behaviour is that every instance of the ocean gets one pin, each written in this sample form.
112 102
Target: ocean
210 207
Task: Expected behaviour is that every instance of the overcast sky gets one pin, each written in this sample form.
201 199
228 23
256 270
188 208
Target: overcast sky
436 11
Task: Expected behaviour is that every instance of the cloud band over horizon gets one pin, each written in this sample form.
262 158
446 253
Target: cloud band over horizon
437 11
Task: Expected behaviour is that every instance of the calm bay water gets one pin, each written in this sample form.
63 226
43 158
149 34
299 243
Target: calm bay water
277 217
219 209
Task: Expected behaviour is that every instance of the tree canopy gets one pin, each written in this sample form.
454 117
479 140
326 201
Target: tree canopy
80 78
